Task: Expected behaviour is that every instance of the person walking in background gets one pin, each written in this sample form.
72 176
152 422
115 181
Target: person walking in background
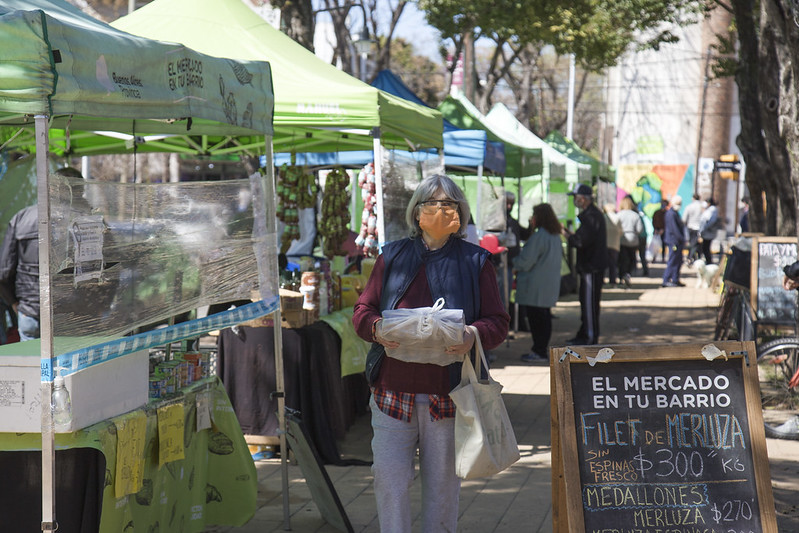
613 228
674 238
410 404
538 278
19 265
691 218
590 241
658 227
709 226
631 227
19 270
642 243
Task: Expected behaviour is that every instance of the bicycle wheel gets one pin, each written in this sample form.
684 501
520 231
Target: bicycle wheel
778 370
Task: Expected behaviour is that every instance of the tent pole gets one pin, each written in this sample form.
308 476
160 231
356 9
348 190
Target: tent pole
278 350
46 324
381 220
479 221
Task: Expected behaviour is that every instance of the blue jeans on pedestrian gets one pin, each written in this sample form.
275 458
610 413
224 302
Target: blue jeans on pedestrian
672 273
28 327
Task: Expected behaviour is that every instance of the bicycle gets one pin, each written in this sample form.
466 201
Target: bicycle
777 358
778 368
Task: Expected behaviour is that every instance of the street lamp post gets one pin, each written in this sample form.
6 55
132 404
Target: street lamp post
363 44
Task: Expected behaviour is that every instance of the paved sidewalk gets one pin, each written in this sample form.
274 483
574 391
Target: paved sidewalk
519 499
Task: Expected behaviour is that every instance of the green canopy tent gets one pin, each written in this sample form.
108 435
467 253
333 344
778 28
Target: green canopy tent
318 108
560 172
556 165
64 70
524 164
599 169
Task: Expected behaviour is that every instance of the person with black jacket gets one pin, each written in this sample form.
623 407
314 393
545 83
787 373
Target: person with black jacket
19 270
590 241
19 265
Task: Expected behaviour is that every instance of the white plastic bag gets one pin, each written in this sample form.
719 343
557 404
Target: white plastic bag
485 443
423 333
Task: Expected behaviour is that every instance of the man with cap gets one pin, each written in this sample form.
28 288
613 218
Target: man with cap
590 241
674 239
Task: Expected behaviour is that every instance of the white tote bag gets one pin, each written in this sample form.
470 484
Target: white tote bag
484 440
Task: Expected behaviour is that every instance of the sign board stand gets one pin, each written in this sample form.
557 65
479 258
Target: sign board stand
771 303
660 437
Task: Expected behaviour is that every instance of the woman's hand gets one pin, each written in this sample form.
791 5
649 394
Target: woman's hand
465 346
380 340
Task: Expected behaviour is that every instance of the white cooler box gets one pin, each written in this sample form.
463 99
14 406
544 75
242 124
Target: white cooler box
99 392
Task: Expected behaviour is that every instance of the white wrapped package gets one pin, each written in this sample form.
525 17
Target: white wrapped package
423 333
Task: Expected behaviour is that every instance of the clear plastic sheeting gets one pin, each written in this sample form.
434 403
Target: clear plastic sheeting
401 175
126 257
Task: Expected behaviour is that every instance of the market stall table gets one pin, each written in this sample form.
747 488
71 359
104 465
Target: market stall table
214 482
313 360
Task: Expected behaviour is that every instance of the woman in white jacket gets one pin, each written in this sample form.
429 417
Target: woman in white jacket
631 227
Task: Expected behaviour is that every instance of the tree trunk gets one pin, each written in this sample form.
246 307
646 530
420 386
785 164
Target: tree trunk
469 74
781 16
752 140
779 108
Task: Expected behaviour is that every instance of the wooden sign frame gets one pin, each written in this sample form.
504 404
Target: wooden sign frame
567 493
756 240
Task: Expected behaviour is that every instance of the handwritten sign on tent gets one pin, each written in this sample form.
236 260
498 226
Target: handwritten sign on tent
659 438
770 302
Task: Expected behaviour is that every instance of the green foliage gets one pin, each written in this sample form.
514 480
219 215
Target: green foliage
596 31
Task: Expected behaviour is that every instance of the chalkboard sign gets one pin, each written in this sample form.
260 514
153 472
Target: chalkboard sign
660 439
770 302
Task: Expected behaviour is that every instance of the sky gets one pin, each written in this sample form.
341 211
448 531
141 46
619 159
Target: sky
412 27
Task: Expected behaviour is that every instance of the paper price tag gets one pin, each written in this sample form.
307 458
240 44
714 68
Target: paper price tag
130 454
170 433
203 411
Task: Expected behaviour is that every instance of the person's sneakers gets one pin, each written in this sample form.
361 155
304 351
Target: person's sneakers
627 281
533 357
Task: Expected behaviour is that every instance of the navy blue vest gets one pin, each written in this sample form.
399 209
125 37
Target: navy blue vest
453 273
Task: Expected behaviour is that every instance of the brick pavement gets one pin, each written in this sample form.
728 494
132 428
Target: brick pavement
519 499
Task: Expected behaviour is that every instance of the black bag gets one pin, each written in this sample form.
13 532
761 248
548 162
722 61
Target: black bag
739 267
568 284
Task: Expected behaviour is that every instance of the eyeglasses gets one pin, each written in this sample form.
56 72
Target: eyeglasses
431 206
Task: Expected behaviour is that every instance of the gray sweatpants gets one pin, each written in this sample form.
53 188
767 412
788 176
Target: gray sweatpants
394 447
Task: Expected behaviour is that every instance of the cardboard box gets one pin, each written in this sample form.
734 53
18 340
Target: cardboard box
290 300
99 392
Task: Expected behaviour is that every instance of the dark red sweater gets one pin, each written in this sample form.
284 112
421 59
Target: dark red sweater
399 376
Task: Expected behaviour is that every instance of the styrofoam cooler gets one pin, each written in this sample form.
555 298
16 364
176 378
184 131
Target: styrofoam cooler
99 392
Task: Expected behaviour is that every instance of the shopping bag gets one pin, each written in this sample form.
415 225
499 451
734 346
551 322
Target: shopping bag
484 440
423 333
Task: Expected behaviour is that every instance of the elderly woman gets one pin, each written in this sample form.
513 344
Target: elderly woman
410 402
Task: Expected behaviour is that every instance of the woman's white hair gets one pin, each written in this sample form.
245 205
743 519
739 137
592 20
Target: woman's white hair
425 191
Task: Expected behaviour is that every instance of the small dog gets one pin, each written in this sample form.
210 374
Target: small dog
705 274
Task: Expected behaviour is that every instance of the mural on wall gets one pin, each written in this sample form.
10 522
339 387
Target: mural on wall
648 184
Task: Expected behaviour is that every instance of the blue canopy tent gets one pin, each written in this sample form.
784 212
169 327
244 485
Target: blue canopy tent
464 150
